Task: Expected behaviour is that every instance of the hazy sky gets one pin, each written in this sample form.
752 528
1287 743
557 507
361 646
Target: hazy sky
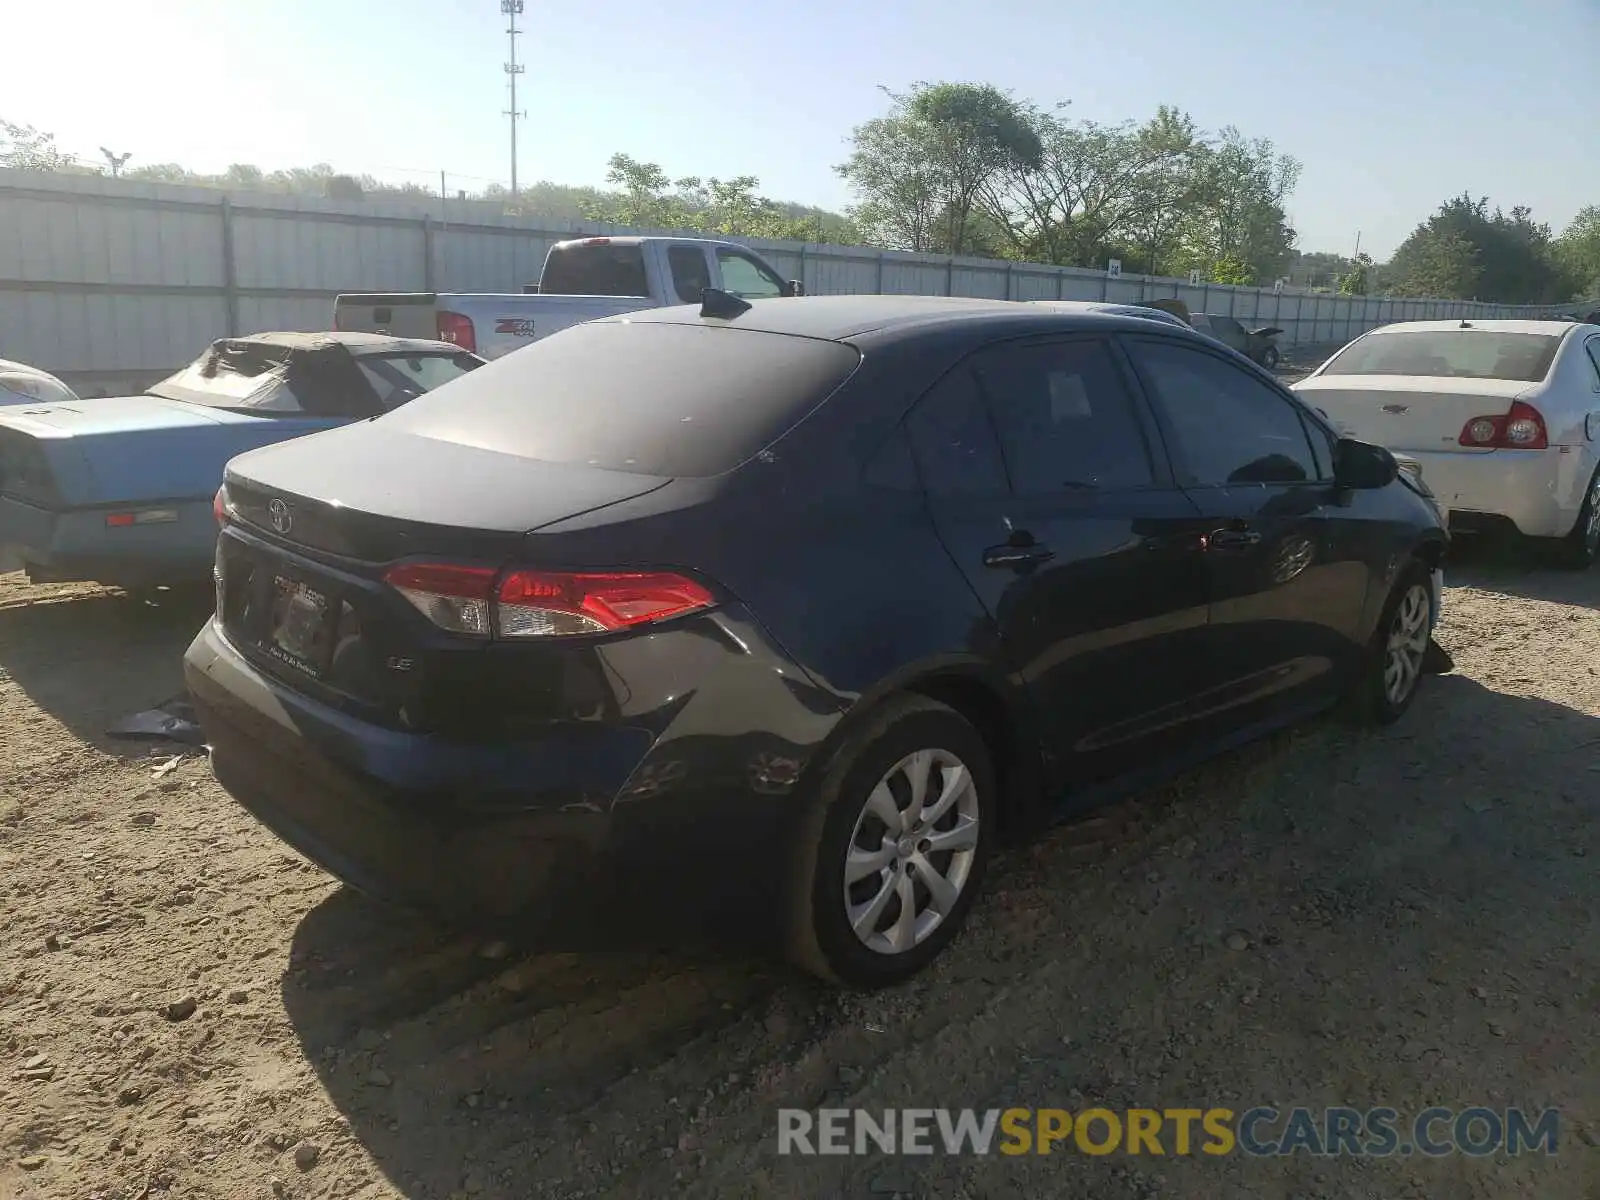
1392 105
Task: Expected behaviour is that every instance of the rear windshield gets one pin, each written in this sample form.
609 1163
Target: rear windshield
245 375
656 399
399 378
595 269
1450 353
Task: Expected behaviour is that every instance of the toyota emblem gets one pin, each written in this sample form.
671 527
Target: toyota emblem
278 512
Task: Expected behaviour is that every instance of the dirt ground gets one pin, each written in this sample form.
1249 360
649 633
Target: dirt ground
1407 917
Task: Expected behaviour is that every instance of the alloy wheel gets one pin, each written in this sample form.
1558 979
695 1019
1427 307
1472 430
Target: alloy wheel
1408 644
911 852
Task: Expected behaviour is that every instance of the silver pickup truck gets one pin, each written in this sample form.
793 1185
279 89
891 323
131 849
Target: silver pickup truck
583 279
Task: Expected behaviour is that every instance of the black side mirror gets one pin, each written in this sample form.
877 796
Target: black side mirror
794 288
1363 466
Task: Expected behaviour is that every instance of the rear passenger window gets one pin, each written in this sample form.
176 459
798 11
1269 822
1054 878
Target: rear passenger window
690 275
1064 417
954 442
1593 346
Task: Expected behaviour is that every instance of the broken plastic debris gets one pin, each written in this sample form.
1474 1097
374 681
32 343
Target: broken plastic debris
174 721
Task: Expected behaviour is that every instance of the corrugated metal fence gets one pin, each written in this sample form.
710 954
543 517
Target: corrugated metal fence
110 282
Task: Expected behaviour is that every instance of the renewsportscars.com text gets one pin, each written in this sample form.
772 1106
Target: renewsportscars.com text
1262 1131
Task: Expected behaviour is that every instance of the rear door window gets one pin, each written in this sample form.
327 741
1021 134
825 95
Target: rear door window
954 440
690 274
1064 416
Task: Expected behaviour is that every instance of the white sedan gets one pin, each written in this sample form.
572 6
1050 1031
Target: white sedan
20 384
1502 416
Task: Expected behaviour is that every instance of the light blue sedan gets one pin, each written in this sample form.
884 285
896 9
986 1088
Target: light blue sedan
119 490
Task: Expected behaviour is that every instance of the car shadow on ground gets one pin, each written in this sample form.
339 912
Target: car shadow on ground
464 1073
90 656
1515 568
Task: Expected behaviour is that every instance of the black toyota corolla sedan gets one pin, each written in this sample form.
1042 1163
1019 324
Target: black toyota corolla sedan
809 600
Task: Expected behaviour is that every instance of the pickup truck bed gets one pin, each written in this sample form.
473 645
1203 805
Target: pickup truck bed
584 279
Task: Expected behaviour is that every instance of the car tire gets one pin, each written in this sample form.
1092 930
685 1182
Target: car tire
1397 659
1580 549
1270 358
859 811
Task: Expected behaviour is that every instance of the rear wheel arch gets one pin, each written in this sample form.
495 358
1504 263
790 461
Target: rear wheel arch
988 704
1430 552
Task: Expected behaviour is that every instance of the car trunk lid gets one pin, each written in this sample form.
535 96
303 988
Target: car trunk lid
399 493
139 448
1410 412
302 566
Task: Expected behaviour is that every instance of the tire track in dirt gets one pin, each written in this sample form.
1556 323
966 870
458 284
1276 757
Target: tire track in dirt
1383 881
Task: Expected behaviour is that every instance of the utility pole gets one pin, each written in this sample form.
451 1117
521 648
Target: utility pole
512 9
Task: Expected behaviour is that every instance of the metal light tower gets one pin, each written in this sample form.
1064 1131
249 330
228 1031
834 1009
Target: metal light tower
512 10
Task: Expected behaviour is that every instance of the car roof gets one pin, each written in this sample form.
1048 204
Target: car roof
638 239
355 343
1555 327
890 318
1127 309
18 368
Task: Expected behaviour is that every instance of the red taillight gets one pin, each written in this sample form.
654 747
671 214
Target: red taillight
544 603
1522 428
219 505
457 329
119 520
452 597
597 241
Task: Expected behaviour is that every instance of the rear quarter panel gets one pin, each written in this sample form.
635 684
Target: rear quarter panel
828 543
1569 399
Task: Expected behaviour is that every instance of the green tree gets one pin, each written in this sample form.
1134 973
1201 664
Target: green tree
647 197
344 187
1231 269
1096 191
1578 252
162 173
246 177
1167 187
1441 263
1236 213
1464 252
920 172
1357 281
24 148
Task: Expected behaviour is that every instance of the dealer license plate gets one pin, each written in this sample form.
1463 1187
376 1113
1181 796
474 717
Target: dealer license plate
299 624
